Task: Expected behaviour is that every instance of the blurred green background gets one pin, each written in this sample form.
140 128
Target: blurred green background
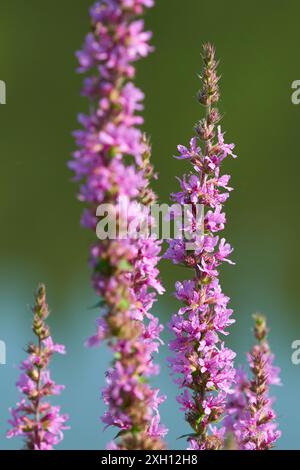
41 239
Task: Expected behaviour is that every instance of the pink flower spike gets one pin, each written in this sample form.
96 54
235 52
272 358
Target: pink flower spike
34 418
251 420
112 164
202 365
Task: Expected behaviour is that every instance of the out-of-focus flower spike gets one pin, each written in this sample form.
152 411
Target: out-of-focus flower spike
124 269
34 418
251 419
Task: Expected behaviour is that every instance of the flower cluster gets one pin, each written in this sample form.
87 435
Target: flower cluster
251 418
34 418
202 365
112 164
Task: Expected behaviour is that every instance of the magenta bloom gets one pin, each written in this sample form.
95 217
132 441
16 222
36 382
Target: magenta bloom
34 418
251 418
112 165
201 364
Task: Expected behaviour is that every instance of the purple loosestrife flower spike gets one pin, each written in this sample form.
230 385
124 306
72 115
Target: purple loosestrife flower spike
124 270
34 418
251 418
202 365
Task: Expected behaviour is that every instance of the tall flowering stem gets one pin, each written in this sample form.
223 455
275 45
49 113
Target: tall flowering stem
251 419
202 365
113 164
34 418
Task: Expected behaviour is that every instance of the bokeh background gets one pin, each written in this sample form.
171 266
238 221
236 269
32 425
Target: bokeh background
41 239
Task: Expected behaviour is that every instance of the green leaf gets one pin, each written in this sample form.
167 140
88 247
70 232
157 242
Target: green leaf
113 152
103 266
121 433
123 304
124 265
135 429
199 420
187 435
142 380
101 302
